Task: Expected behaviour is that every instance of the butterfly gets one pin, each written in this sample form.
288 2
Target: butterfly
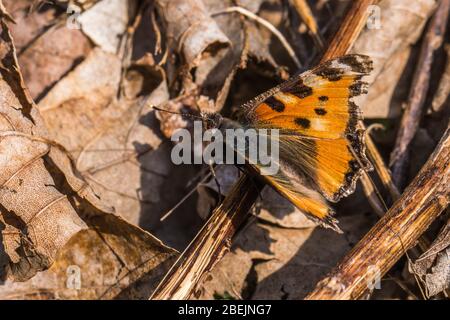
321 138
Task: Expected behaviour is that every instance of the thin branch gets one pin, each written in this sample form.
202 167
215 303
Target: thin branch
443 91
372 195
349 30
382 171
304 11
5 14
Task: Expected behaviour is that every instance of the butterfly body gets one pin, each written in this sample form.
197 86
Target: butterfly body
321 139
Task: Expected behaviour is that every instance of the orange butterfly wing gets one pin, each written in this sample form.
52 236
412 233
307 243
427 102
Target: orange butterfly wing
321 140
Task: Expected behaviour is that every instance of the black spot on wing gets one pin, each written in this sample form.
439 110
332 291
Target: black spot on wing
299 89
359 87
349 177
323 98
328 72
320 111
302 122
355 142
275 104
358 63
354 165
353 117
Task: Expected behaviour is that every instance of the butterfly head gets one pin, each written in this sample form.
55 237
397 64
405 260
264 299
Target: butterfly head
211 120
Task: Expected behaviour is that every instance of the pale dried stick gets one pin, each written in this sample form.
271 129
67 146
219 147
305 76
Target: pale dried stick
304 11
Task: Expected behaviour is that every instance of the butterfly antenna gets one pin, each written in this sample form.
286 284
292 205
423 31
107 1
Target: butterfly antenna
188 115
168 213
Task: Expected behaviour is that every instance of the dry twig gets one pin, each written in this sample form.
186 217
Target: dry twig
304 11
349 30
382 171
443 90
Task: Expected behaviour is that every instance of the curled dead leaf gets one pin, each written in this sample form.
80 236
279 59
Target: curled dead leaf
46 203
35 217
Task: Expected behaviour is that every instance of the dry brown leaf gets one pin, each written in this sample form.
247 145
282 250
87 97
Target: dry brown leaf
210 51
401 25
45 202
106 22
433 266
30 24
190 29
36 219
111 138
52 56
259 45
262 44
112 259
275 209
46 51
225 280
113 135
